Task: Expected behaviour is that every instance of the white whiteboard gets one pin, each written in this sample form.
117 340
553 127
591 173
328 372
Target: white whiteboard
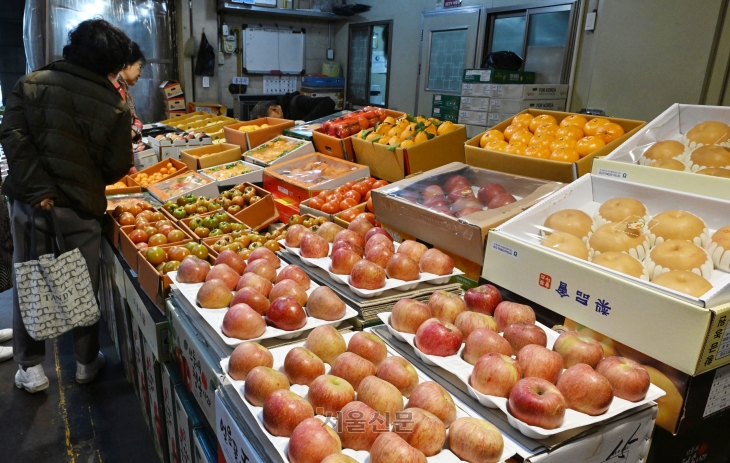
273 51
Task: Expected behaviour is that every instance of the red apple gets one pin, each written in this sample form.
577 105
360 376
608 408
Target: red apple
433 398
521 334
367 275
501 200
262 268
313 246
243 322
351 237
456 194
224 273
484 341
483 299
329 230
343 260
468 322
468 211
446 306
266 254
254 281
252 298
422 430
377 231
436 262
408 315
537 402
540 362
402 267
435 337
398 372
412 249
436 201
585 390
379 240
508 313
462 204
343 244
301 366
192 270
296 274
495 374
476 440
352 368
326 343
231 259
489 192
391 448
361 226
576 348
381 396
630 380
246 357
324 304
214 294
432 191
360 426
286 314
262 381
288 288
328 394
368 346
283 411
379 255
456 181
312 441
294 235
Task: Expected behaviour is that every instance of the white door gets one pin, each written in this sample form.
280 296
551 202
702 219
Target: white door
451 41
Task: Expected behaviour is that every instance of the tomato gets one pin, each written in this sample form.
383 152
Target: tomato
150 230
157 240
171 266
587 145
256 238
369 216
210 222
354 195
296 219
142 246
234 209
347 185
272 245
139 224
575 120
238 200
215 232
378 184
324 194
225 227
331 207
119 210
146 214
165 229
160 223
370 205
244 240
135 210
541 119
155 255
200 251
244 253
202 232
255 245
138 236
316 203
349 215
347 203
307 223
591 127
362 188
190 246
369 181
367 196
610 131
565 154
175 236
201 210
177 253
341 190
180 213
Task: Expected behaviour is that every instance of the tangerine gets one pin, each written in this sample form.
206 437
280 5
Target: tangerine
591 126
541 119
587 145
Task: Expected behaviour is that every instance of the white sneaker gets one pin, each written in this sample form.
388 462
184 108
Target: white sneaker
6 335
6 353
33 379
87 373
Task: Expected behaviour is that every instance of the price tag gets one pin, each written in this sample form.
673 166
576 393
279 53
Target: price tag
235 446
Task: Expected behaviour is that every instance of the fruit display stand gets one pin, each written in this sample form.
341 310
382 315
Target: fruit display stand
247 140
557 171
628 162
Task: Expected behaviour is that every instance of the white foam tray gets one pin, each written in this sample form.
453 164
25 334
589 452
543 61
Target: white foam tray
390 283
214 317
281 443
573 419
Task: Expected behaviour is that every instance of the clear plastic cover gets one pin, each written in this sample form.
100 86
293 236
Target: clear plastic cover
274 149
226 171
182 184
314 170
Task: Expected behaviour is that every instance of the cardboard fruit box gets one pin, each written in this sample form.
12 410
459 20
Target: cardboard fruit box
547 169
685 332
627 161
299 149
130 251
185 223
465 236
132 187
180 167
248 140
209 156
187 183
397 164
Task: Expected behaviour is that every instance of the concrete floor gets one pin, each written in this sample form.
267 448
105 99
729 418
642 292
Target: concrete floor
69 423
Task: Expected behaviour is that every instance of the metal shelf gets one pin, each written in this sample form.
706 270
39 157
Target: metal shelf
231 7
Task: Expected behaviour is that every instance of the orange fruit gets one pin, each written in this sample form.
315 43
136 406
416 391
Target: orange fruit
496 145
490 135
548 128
572 131
511 129
574 120
541 119
522 119
537 152
565 154
523 137
610 131
516 148
544 140
592 126
587 145
562 142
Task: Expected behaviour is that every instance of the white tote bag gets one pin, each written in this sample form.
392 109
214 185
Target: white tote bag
54 292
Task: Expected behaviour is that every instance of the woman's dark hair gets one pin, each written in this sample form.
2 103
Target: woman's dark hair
262 109
136 56
98 46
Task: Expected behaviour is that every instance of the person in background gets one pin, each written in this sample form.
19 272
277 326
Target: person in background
128 77
66 136
295 107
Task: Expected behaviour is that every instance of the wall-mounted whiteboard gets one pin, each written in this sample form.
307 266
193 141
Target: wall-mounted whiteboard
273 51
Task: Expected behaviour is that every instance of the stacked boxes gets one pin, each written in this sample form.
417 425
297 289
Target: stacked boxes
506 100
173 99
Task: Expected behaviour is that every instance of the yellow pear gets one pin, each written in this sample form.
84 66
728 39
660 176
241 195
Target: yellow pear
389 120
371 136
446 127
420 138
406 144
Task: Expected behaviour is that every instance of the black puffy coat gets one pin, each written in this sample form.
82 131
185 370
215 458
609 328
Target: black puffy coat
66 136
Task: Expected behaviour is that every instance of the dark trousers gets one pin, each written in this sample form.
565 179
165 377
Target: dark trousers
84 234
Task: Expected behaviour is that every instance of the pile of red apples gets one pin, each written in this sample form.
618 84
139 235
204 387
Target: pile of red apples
258 293
367 254
373 402
456 198
510 356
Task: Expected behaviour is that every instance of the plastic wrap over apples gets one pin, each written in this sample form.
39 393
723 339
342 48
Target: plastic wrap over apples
468 190
312 170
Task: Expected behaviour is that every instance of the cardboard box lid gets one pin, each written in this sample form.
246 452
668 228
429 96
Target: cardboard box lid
286 171
248 140
210 155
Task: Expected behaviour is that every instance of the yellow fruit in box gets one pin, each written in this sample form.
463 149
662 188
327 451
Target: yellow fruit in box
384 140
521 137
407 132
406 144
432 129
389 120
548 128
575 120
371 135
403 123
394 132
445 128
420 138
490 135
435 120
563 142
394 141
541 119
263 126
384 128
537 152
496 145
248 128
516 148
523 119
543 140
572 131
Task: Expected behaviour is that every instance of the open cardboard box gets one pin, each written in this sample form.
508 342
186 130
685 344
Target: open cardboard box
256 175
466 236
282 182
155 168
202 186
543 168
627 160
109 224
194 116
132 187
130 251
248 140
170 149
685 332
185 223
209 156
260 214
302 148
399 163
